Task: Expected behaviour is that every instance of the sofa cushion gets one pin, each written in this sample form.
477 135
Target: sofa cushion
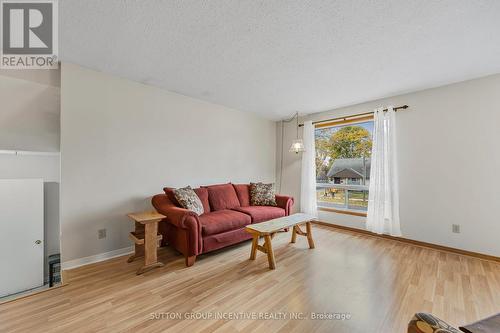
188 199
201 192
222 197
169 191
261 213
203 195
214 242
262 194
223 220
243 193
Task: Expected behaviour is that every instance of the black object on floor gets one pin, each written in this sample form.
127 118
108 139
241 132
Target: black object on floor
54 269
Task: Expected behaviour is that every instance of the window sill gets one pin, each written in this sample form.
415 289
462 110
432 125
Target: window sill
342 211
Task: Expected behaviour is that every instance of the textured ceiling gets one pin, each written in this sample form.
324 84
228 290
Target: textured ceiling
276 57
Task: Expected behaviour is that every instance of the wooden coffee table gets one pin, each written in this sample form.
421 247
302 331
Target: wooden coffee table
269 228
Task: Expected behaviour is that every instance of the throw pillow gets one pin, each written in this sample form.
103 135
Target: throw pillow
262 194
188 199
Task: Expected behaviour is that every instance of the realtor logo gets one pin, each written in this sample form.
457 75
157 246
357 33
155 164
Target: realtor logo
29 34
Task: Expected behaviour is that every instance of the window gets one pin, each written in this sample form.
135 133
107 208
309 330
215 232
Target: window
343 152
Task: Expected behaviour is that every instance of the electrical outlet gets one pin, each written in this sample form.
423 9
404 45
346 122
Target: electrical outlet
101 233
455 228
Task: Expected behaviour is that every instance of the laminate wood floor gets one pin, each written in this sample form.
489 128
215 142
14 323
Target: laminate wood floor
379 283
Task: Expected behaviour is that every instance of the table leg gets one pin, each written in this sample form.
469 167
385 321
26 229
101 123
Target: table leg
255 243
270 253
309 235
139 252
150 243
139 248
294 235
150 248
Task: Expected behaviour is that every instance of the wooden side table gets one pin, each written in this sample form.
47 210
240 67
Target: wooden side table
146 238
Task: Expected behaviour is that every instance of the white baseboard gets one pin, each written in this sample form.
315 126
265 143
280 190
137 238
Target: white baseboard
96 258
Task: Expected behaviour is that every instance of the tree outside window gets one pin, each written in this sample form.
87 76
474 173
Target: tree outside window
343 157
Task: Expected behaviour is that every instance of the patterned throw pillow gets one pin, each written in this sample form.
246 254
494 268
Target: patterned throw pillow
427 323
188 199
262 194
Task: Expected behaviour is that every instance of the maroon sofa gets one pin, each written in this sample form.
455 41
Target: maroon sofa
227 212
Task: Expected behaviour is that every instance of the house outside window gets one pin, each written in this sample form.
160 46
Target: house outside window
343 162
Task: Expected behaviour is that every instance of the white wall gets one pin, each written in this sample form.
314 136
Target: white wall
448 163
122 142
30 105
29 166
29 120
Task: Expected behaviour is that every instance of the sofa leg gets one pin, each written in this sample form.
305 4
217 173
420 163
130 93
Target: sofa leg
190 261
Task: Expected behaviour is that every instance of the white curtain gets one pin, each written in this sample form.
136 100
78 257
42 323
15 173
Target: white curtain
308 179
383 198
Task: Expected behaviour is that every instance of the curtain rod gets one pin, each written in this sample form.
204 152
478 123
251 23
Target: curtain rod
402 107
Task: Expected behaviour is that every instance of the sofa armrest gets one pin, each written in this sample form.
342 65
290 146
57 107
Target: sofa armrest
185 220
180 217
285 202
425 322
